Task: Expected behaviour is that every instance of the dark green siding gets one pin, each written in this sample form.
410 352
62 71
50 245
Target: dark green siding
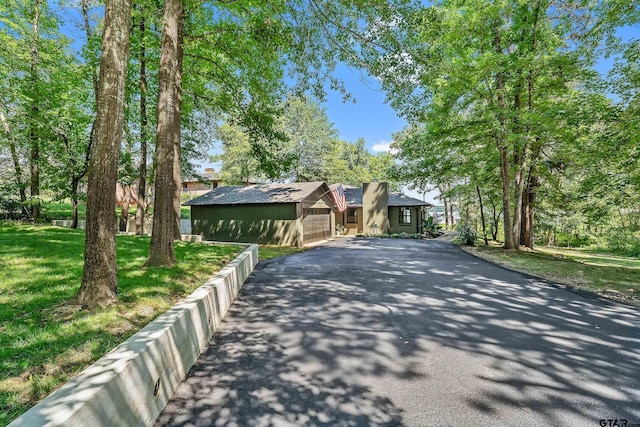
260 223
394 221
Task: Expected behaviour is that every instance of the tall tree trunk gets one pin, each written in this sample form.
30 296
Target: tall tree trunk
94 81
519 191
452 220
75 181
495 220
75 177
34 135
526 183
35 177
168 135
484 224
467 213
525 234
506 198
142 179
502 142
445 202
177 149
177 166
16 164
528 211
87 30
522 161
446 214
509 242
99 279
124 209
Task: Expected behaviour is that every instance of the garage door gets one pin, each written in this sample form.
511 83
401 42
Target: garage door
316 224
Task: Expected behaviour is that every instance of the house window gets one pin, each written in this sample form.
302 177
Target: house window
405 215
352 215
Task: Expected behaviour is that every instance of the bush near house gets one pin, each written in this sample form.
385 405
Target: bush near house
430 228
394 235
466 235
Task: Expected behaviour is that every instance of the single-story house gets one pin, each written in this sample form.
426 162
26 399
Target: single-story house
388 211
281 214
297 214
207 182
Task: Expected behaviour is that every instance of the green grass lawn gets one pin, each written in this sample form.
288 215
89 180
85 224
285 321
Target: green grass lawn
270 251
63 210
603 273
45 339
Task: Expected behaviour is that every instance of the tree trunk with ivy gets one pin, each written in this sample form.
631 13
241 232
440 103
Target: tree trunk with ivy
142 178
34 134
161 252
99 279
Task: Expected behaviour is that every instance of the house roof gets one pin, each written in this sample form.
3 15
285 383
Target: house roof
257 194
207 176
353 196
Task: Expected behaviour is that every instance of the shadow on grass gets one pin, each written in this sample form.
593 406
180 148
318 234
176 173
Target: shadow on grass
615 278
44 337
381 332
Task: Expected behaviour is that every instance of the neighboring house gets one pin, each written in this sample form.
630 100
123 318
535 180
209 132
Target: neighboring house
280 214
300 213
389 211
197 187
121 192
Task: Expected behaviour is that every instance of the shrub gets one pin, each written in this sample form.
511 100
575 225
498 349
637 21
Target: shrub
430 228
622 241
466 235
395 235
10 205
572 240
617 240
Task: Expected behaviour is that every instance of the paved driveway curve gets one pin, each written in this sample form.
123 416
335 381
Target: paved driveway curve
401 332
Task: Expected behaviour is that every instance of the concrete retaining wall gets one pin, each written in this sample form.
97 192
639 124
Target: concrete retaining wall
131 384
193 238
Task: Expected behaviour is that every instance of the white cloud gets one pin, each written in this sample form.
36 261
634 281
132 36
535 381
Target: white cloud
382 146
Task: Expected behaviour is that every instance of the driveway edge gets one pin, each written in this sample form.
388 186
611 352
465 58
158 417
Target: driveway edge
132 383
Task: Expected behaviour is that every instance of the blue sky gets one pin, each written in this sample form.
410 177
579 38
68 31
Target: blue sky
369 118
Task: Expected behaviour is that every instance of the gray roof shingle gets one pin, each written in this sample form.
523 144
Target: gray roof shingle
257 194
288 193
353 196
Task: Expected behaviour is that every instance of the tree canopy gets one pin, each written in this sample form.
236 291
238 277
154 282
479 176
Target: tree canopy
502 98
506 111
310 150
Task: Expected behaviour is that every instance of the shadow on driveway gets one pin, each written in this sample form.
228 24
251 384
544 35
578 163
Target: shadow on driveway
401 332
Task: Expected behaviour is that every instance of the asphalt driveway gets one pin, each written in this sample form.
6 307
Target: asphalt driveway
403 332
